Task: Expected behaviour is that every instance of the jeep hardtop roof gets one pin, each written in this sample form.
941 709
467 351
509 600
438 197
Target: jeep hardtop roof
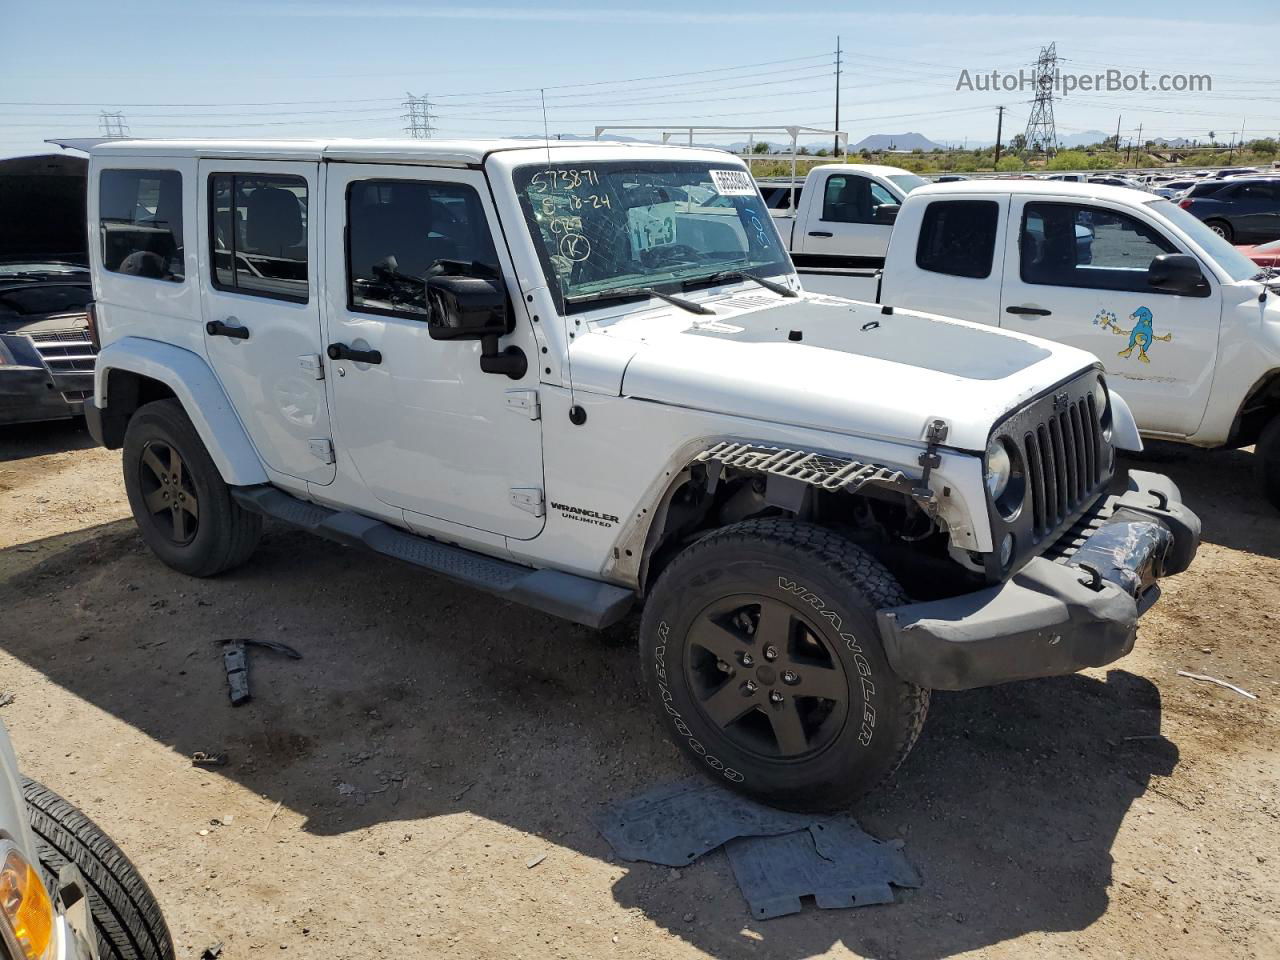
426 152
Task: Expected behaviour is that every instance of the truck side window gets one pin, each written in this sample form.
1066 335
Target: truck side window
140 219
958 237
399 230
853 199
1070 245
258 234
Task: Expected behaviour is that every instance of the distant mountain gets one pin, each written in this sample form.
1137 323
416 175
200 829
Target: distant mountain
1175 142
895 141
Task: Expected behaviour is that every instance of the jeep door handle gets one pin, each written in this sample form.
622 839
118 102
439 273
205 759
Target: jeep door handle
820 233
216 328
340 351
1029 311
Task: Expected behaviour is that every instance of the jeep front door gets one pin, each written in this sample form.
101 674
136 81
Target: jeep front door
1078 275
427 430
261 301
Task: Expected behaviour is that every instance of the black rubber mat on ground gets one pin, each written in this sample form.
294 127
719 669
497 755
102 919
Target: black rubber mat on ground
836 862
777 857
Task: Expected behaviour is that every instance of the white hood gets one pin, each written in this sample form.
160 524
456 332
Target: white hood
854 369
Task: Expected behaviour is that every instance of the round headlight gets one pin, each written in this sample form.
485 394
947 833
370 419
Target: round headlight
999 467
1100 399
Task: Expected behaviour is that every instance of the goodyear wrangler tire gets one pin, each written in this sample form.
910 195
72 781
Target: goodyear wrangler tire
760 648
182 506
126 917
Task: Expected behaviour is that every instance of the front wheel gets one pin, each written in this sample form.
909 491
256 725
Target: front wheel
760 647
1266 454
126 917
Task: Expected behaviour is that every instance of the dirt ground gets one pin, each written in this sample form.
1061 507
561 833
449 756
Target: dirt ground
386 794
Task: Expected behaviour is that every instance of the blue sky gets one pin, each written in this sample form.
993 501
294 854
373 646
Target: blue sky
289 68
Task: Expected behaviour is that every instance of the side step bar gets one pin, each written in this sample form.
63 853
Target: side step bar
589 602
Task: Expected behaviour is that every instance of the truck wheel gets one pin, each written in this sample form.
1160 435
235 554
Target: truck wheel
1266 454
1221 228
760 647
126 917
180 502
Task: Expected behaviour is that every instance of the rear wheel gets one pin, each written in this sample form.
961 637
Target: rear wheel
1221 228
1266 453
126 917
760 646
182 506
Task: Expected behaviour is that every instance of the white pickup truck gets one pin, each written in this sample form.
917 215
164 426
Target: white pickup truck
1187 328
840 214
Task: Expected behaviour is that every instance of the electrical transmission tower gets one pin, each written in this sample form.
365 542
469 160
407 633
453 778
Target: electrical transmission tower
418 117
113 126
1041 135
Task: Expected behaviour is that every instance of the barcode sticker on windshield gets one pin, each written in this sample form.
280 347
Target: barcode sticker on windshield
733 183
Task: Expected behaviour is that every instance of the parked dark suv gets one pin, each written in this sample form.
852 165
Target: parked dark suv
1244 210
46 356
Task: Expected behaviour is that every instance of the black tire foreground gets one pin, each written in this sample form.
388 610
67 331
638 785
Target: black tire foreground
832 589
126 917
222 535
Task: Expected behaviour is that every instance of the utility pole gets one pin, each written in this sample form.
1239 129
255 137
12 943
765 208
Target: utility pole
113 126
418 116
835 147
999 127
1118 119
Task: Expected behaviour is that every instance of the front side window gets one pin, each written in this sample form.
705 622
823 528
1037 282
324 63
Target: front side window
1070 245
140 219
400 232
853 199
258 234
620 227
958 237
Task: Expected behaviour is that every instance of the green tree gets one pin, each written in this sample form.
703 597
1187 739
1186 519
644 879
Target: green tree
1009 164
760 147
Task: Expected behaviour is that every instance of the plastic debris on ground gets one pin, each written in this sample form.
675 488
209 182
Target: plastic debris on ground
777 857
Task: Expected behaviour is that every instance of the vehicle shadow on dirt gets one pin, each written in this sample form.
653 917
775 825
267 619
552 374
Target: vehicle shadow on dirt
24 440
1219 485
416 699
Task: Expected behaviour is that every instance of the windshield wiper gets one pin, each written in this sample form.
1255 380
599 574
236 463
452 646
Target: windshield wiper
726 275
642 292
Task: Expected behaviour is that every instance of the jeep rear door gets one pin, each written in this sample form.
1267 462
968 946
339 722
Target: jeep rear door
259 224
426 429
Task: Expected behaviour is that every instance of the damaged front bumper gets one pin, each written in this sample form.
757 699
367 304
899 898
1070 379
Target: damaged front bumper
1054 616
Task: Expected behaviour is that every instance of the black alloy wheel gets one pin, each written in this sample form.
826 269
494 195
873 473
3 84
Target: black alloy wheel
765 676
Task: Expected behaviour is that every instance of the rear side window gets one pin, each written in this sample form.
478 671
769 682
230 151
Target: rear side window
140 219
402 231
258 234
958 237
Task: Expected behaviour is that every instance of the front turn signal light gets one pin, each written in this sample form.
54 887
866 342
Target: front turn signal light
25 909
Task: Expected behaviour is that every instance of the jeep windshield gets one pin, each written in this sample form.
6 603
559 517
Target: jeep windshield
624 227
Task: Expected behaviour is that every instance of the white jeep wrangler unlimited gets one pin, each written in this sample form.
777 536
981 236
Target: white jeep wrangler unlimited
585 376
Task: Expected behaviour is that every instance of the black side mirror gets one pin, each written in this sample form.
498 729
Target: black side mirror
1177 273
475 308
887 213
